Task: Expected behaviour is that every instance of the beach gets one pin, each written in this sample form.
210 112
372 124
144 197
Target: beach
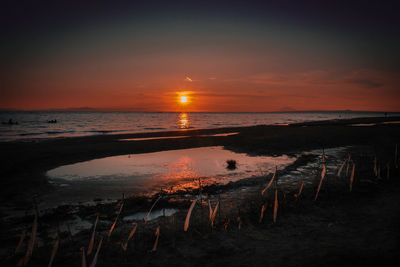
340 227
162 133
27 162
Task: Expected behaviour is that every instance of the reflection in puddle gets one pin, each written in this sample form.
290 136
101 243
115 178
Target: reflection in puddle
150 172
73 226
152 138
153 215
224 134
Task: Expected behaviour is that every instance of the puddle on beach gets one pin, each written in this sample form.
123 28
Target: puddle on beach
290 180
153 215
308 172
222 134
73 226
152 138
150 172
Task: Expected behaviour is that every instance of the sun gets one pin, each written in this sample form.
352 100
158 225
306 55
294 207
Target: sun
183 99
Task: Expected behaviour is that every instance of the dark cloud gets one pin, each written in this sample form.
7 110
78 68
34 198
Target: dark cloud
367 83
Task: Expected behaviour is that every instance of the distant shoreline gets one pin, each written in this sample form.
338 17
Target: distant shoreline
144 111
36 126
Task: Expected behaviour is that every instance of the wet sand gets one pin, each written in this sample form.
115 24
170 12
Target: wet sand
28 161
342 228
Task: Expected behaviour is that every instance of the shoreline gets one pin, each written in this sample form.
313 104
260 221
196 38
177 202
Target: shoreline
340 226
27 162
83 132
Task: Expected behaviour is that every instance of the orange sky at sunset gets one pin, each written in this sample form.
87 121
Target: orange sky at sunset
314 90
256 57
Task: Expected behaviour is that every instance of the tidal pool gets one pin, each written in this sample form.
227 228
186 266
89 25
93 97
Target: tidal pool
148 173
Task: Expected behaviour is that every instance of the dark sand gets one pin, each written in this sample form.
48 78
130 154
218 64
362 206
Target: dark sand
341 228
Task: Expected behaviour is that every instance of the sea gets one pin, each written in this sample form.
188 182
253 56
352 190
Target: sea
41 125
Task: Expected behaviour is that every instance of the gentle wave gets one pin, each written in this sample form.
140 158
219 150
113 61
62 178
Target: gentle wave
34 125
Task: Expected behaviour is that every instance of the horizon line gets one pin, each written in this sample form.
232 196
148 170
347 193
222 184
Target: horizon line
87 109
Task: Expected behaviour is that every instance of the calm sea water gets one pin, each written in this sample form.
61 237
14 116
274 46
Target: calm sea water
34 125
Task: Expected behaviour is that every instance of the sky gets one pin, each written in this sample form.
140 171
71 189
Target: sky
224 56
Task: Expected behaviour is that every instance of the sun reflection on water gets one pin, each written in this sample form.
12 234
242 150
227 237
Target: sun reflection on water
184 170
183 121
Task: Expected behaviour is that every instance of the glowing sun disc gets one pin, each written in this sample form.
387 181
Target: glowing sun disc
183 99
